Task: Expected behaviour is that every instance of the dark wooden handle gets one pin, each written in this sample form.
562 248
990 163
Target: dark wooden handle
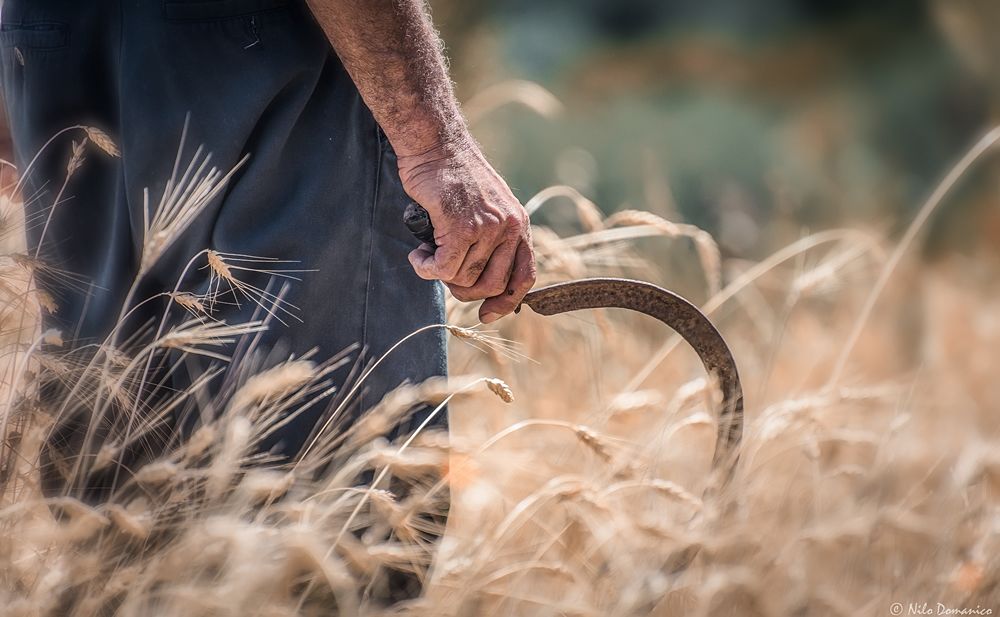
418 221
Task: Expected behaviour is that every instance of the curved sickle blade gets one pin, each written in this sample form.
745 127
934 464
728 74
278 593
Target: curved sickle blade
682 316
651 300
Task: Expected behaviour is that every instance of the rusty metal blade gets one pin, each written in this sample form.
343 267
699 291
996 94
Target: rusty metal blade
677 313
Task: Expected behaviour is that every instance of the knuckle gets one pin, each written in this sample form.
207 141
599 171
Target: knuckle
468 232
494 288
476 268
459 293
474 294
464 279
422 271
450 256
526 274
443 275
449 270
525 284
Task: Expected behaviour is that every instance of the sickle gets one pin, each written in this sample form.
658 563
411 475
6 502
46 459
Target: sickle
669 308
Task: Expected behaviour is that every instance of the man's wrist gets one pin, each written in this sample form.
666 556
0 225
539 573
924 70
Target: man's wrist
422 131
453 147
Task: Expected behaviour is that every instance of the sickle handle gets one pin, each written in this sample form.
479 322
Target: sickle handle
418 221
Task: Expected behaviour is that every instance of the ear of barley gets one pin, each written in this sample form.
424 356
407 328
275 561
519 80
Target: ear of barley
53 364
105 456
53 337
129 523
383 501
633 401
224 280
195 336
589 214
351 550
460 332
76 158
264 485
76 509
155 474
220 267
190 302
501 389
398 556
413 464
675 491
46 301
704 243
487 341
274 383
390 411
103 141
594 441
182 201
202 439
228 461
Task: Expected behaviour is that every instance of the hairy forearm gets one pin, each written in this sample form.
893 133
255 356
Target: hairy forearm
393 54
482 236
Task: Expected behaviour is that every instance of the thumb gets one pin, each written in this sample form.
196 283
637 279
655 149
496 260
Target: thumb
440 264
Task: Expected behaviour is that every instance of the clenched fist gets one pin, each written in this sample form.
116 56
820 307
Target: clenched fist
482 232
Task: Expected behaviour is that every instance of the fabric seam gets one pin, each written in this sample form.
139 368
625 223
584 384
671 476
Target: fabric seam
380 153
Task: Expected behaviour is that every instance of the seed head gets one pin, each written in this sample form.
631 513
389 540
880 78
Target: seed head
189 302
274 382
101 139
460 332
46 301
53 336
107 454
76 159
594 441
200 441
131 524
155 474
220 267
501 389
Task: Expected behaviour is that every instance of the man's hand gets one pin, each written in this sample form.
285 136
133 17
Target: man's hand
482 232
392 53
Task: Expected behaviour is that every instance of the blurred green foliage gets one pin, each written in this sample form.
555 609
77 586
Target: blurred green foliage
755 120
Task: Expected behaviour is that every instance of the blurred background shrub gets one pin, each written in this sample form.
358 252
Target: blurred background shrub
757 121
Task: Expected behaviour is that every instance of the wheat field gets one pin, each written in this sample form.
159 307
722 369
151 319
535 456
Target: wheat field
578 468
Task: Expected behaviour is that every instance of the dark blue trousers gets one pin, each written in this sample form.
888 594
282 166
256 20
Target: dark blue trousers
257 77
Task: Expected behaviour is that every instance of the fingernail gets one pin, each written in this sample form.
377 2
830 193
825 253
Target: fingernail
491 317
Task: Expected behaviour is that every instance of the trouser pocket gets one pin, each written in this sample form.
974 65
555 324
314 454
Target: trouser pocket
211 10
34 35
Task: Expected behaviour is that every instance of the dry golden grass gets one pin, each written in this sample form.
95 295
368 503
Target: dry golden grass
578 461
